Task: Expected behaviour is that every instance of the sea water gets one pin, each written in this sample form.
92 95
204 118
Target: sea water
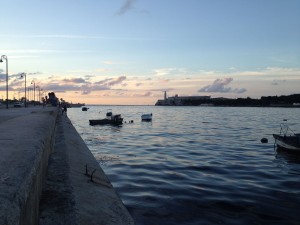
197 165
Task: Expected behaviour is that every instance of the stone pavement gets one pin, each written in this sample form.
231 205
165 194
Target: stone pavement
73 189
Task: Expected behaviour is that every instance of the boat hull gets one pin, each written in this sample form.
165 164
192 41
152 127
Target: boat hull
106 122
288 142
146 117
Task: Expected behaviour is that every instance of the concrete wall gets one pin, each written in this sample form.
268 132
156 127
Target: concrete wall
30 139
25 145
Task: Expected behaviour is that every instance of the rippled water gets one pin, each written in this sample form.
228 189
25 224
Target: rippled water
197 165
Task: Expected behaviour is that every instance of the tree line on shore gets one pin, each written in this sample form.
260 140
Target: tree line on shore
264 101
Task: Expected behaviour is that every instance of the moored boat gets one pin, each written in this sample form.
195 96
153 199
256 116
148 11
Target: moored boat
75 105
112 119
147 117
287 139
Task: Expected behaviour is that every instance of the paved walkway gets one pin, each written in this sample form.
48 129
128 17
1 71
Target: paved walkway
76 190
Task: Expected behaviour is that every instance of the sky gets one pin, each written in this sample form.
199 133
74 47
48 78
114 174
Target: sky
128 52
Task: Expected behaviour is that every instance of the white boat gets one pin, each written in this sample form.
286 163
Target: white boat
287 139
147 117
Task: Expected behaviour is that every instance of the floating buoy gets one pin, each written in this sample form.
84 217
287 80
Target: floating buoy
264 140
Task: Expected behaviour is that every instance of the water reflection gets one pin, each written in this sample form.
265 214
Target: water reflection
289 156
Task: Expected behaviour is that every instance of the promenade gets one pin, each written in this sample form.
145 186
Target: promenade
49 176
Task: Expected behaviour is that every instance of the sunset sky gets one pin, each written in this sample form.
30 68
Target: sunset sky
130 51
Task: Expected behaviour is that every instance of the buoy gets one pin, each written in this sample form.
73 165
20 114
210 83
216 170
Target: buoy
264 140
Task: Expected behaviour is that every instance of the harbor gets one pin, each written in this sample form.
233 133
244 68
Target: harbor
197 165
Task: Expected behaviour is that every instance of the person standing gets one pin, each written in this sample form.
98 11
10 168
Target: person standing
64 110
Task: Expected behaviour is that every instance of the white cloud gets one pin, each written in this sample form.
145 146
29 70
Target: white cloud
278 82
169 71
271 72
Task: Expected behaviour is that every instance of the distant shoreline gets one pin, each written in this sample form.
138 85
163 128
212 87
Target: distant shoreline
291 101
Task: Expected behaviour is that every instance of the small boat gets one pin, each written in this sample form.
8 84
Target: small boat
147 117
84 108
110 119
287 139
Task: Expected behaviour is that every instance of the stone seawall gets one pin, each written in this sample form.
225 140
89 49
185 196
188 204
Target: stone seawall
25 145
72 189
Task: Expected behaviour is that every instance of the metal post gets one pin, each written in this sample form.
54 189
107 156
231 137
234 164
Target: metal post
24 74
39 93
33 91
1 60
25 93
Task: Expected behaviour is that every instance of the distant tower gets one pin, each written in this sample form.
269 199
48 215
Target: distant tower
165 95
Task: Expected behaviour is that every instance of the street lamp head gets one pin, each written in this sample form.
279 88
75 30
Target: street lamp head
3 57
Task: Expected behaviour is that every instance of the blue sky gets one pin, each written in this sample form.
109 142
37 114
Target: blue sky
128 52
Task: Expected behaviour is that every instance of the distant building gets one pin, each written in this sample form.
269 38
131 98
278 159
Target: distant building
180 100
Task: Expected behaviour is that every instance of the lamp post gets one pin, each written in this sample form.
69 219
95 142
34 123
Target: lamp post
39 93
33 91
28 91
24 75
1 60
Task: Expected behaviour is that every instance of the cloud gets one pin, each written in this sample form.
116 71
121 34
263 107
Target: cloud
75 80
109 62
82 86
59 88
239 90
35 73
116 81
146 94
217 86
220 86
138 84
99 88
278 82
111 81
103 81
271 72
162 89
85 92
163 71
127 6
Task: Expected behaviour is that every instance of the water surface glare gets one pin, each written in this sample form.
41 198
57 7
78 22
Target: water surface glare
197 165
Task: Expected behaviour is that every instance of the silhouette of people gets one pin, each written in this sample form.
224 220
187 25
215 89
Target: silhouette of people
64 110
